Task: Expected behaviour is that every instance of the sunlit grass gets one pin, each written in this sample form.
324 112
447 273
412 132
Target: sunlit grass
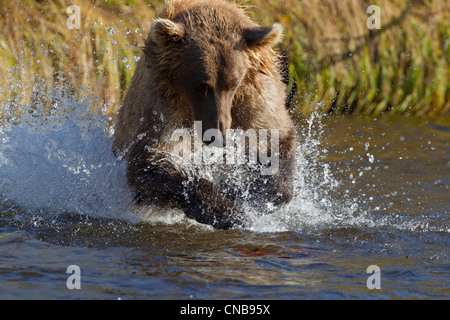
339 65
39 52
342 66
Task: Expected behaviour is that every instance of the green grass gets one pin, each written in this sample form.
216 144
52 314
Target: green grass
339 65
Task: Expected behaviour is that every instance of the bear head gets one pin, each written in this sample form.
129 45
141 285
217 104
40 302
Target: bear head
203 55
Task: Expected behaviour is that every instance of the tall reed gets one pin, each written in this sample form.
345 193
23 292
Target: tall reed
341 65
338 63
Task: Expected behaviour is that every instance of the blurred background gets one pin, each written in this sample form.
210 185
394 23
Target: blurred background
339 65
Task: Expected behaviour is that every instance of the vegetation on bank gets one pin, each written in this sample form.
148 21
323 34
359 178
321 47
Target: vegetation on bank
339 65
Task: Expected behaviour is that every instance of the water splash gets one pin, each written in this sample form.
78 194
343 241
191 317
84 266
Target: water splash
60 160
314 204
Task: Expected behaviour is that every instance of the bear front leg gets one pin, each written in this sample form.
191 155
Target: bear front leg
155 178
206 204
283 180
277 188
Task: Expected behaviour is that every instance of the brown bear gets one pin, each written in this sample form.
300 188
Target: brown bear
203 60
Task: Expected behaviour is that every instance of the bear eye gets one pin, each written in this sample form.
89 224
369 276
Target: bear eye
234 85
202 87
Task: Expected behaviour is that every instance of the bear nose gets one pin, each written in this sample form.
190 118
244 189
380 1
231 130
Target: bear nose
222 127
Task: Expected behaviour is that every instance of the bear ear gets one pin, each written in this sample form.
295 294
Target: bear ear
164 31
263 36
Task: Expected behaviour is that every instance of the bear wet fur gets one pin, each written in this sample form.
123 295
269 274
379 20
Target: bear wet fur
204 60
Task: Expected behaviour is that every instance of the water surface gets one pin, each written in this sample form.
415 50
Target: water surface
368 192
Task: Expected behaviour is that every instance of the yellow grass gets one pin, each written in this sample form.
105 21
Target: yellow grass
339 65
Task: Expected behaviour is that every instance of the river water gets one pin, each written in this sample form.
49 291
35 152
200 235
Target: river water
369 192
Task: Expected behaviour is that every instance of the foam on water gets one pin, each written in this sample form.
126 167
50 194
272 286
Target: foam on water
61 161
